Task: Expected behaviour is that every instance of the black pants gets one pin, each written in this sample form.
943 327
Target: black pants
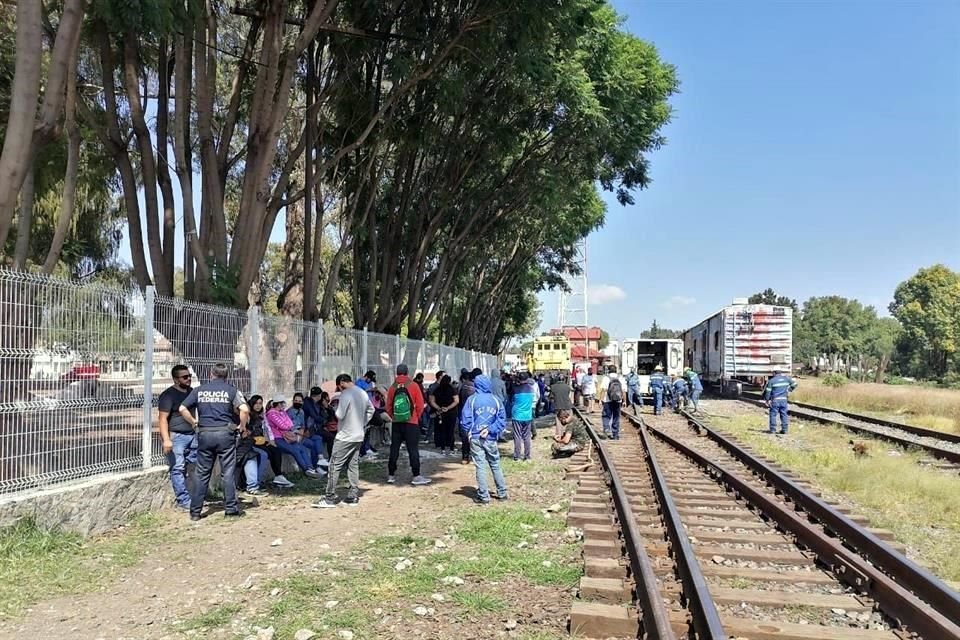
275 458
409 434
464 444
215 444
446 426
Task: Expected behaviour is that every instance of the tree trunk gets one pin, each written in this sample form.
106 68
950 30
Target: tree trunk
291 302
24 220
23 110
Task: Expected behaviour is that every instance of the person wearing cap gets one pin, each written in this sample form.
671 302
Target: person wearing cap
656 387
696 387
288 441
404 405
218 404
354 411
775 395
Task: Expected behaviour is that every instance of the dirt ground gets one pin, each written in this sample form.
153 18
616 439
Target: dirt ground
194 568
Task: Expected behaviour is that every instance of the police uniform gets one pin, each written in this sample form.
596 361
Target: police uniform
657 381
634 398
216 403
775 393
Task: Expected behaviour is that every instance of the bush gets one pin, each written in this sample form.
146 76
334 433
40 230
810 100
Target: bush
898 380
951 380
835 380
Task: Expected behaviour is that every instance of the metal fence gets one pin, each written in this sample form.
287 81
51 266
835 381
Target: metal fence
82 366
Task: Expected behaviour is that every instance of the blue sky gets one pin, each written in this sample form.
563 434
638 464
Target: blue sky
814 148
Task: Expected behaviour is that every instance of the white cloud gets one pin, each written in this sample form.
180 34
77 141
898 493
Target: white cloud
678 301
604 293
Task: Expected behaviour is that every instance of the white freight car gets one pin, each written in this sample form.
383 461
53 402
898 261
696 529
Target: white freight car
646 355
742 343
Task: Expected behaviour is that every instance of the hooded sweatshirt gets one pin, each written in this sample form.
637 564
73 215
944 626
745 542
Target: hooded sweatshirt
483 410
524 401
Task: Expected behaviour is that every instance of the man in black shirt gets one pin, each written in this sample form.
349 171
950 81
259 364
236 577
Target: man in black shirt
179 440
217 403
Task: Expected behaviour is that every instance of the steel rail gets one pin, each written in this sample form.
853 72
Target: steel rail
656 619
706 618
891 578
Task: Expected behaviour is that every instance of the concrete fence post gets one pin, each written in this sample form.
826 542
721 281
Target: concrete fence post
147 435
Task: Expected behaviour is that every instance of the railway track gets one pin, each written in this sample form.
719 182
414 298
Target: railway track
939 444
719 545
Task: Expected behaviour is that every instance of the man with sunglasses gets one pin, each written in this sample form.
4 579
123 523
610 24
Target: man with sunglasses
179 439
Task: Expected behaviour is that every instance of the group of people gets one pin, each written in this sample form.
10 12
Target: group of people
678 391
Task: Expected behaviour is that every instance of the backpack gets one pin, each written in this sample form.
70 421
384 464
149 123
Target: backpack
402 404
615 391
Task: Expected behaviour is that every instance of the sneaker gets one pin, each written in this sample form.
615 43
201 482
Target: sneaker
323 503
501 498
194 518
420 480
351 502
254 492
391 479
234 514
323 463
479 502
183 506
281 481
311 473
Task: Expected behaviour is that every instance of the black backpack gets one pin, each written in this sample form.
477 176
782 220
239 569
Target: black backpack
615 391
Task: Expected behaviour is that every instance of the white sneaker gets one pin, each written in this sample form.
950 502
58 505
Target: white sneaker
281 481
323 462
311 473
420 480
391 479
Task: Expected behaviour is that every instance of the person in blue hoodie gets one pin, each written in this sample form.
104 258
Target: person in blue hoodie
482 420
522 413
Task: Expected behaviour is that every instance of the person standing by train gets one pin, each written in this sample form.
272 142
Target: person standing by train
588 387
696 388
611 397
775 394
633 390
656 386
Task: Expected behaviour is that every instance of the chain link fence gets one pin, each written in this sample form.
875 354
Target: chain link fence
82 366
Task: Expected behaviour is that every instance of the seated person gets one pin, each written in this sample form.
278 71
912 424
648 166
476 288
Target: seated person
574 437
287 439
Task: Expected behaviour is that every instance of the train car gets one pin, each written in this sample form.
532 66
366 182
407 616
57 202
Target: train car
742 343
645 355
550 353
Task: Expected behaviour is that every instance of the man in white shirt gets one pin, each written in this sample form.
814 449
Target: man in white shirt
588 386
611 398
354 412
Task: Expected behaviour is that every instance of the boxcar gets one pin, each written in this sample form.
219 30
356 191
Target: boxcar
742 343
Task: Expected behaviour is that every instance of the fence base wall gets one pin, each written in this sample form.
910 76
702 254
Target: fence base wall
94 506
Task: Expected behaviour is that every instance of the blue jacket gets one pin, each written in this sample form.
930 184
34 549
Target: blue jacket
779 387
694 379
658 381
633 381
483 410
680 386
523 400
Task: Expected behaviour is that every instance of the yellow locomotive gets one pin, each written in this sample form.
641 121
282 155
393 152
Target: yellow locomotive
550 353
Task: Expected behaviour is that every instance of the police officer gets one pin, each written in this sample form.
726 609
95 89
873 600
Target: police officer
696 388
217 403
657 383
679 393
775 394
633 390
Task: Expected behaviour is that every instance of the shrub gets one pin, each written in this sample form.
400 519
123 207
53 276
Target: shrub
835 380
951 380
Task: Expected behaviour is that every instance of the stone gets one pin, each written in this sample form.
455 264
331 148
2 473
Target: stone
452 581
510 625
303 634
378 611
421 610
547 563
439 544
556 507
277 542
275 592
406 563
345 634
718 559
523 545
330 604
265 634
839 612
438 597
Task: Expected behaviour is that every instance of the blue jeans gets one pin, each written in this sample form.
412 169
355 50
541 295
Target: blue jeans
255 470
657 401
317 448
611 419
485 453
299 453
184 453
779 407
695 398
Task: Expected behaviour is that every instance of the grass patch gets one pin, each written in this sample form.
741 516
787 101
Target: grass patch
212 619
507 526
479 602
38 563
923 406
921 506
